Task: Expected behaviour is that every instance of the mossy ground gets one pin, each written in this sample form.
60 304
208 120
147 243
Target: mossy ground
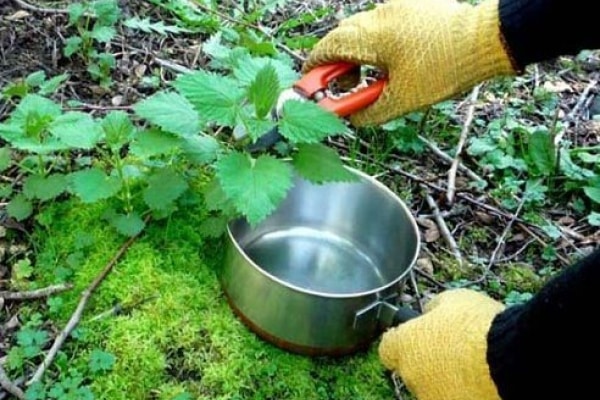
185 340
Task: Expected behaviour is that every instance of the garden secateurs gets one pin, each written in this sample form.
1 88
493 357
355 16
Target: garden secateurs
314 86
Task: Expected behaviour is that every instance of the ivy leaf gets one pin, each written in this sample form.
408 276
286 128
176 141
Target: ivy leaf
201 149
264 90
77 129
171 111
19 207
164 187
307 122
101 361
542 152
93 184
255 186
44 187
216 98
128 225
5 158
319 163
118 129
593 193
154 142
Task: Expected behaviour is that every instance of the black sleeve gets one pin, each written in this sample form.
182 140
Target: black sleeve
548 347
540 30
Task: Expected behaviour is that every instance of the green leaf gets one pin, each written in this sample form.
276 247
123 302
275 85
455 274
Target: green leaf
72 45
101 361
542 152
36 78
594 219
76 11
589 158
154 142
5 190
15 89
51 85
93 184
319 163
145 25
5 158
128 225
170 111
307 122
118 129
44 187
255 186
77 129
164 187
19 207
593 193
103 34
572 170
264 90
201 149
107 11
248 67
213 226
34 113
32 341
216 98
22 269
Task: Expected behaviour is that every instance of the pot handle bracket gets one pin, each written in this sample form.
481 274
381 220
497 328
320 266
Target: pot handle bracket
388 312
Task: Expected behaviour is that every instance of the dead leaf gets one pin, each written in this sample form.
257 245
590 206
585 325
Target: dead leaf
566 221
18 15
431 233
425 265
117 100
557 87
484 217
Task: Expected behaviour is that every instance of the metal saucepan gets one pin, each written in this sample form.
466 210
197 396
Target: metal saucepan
322 275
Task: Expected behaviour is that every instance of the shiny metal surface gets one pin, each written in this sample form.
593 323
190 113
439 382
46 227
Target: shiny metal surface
327 252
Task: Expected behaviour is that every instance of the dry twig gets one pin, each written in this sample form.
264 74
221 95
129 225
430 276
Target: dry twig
9 385
35 294
27 6
76 317
443 226
461 142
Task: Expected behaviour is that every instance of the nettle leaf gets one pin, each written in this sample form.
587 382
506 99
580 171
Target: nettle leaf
319 163
128 225
594 219
264 90
19 207
542 152
593 193
76 11
93 184
171 111
118 129
72 45
35 78
44 188
107 11
154 142
103 34
5 158
34 113
201 149
145 25
51 85
216 98
213 227
77 129
164 187
307 122
255 186
248 67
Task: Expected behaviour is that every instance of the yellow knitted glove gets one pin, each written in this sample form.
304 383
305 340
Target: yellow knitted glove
442 354
431 50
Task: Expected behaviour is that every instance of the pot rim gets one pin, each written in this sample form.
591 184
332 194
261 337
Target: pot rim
393 282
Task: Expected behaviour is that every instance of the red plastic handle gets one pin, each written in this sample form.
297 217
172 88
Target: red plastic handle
317 80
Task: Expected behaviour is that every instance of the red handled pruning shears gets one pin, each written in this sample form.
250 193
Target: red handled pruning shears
314 86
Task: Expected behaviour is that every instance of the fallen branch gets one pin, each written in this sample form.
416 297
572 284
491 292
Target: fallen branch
461 142
76 317
446 234
9 385
36 294
24 5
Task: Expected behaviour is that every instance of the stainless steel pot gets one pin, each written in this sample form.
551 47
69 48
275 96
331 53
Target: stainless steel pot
322 274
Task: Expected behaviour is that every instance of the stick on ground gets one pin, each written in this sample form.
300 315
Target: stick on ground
36 294
9 385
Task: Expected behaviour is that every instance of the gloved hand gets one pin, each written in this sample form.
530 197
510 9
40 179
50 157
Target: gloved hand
431 50
442 354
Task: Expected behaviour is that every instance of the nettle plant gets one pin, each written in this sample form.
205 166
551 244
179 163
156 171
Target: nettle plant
145 163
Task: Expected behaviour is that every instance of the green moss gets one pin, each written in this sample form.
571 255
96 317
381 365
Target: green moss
186 339
521 277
